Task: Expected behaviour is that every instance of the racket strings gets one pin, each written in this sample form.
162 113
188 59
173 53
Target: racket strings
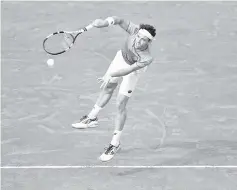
59 42
68 40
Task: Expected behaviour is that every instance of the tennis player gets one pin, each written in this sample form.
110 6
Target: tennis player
128 64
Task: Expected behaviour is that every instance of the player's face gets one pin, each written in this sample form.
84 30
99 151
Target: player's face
141 41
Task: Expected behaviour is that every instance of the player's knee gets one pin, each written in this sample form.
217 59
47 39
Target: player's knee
110 88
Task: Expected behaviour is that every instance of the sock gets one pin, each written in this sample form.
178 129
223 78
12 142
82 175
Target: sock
116 138
94 112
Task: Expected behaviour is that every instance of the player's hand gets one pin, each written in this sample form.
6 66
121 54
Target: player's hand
99 23
104 80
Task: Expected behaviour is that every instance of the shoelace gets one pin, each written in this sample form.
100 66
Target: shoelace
111 149
84 117
108 149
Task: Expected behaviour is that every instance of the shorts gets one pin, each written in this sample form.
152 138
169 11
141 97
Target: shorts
129 81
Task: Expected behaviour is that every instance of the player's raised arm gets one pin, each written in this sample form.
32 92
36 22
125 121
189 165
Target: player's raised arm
114 20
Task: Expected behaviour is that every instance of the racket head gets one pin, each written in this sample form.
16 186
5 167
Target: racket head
59 42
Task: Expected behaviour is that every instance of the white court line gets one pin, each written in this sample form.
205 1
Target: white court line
126 167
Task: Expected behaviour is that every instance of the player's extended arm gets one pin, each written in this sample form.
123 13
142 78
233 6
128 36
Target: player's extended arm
114 20
136 66
119 73
125 71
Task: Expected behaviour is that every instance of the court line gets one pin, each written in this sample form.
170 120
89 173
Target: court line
163 125
125 167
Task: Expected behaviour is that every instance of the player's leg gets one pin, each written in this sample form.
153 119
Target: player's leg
105 95
125 92
91 119
120 119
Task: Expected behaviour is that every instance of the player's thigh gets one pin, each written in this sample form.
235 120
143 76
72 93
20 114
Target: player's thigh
113 80
130 81
118 63
111 86
128 84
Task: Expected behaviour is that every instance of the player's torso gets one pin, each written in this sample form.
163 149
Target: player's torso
130 53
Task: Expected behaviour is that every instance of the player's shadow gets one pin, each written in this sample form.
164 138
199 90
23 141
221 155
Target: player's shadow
198 152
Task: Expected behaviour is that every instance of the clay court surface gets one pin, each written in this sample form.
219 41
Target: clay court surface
191 87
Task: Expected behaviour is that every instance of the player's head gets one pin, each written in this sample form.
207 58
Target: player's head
145 35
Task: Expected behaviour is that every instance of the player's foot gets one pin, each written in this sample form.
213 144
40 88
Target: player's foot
86 122
109 153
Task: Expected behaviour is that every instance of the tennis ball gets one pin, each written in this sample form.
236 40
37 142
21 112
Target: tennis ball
50 62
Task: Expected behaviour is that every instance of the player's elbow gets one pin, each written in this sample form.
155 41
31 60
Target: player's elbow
117 20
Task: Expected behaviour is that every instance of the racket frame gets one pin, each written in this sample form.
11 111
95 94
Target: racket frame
77 32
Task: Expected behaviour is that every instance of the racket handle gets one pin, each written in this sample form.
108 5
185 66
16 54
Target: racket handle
90 26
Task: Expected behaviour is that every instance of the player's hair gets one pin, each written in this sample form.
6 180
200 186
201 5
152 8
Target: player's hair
151 29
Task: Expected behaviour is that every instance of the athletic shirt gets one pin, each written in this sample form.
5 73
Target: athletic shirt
132 55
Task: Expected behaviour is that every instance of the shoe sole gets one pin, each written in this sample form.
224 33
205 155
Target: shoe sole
85 126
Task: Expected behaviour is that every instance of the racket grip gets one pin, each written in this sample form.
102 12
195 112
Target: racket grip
90 26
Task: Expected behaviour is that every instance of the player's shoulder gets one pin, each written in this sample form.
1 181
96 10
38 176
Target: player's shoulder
147 56
147 53
132 28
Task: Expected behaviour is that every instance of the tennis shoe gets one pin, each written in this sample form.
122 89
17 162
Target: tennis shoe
86 122
109 153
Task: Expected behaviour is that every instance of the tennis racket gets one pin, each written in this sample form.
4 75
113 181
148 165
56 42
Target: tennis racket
61 41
